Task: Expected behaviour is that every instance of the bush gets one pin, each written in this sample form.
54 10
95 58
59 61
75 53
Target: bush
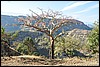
14 35
67 44
2 30
22 48
27 47
70 52
36 53
93 38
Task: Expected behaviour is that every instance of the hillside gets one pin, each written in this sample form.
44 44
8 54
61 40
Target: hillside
6 19
41 44
79 33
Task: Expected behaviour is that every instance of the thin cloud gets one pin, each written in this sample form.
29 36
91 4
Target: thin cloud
75 5
89 8
12 13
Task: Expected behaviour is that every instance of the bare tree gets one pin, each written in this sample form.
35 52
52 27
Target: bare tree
47 22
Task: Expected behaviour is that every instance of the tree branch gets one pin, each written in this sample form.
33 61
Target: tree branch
58 26
34 12
39 29
58 35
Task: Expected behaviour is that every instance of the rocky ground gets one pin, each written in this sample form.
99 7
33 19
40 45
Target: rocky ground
41 61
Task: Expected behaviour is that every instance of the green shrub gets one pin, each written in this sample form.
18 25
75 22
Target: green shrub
22 48
27 47
36 53
2 30
67 44
93 38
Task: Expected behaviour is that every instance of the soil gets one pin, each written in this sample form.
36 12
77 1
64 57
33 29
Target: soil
27 60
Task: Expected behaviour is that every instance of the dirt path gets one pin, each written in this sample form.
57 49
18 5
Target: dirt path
40 61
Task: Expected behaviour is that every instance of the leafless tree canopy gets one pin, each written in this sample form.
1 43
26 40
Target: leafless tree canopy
47 22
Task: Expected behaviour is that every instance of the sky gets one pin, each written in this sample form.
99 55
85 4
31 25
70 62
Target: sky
85 11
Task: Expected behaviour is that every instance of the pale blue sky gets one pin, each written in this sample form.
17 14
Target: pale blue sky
85 11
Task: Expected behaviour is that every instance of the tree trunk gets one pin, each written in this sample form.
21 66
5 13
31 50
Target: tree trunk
52 47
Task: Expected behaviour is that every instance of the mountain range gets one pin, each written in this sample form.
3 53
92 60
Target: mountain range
6 19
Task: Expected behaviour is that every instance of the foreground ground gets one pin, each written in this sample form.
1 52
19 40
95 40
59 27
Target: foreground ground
40 61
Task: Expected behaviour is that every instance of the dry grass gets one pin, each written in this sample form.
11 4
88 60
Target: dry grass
27 60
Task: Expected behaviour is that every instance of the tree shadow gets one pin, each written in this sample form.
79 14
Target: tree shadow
80 54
